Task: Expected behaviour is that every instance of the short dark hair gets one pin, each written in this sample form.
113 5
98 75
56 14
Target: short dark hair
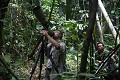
61 32
100 43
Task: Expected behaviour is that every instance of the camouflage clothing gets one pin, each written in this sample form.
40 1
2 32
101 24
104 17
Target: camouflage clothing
59 57
100 56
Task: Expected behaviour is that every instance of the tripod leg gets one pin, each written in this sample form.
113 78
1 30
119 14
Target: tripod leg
34 67
41 59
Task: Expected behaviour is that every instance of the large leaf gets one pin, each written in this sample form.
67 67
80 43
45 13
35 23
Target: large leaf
7 58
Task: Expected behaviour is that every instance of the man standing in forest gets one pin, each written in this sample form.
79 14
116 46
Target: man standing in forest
57 50
101 53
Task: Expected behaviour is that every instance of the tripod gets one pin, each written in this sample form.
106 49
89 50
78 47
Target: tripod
40 56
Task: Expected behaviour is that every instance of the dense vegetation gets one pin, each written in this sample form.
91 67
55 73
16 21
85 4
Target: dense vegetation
21 31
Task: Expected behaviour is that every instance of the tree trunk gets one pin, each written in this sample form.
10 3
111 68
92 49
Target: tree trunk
100 28
108 20
3 9
91 56
1 40
86 44
69 4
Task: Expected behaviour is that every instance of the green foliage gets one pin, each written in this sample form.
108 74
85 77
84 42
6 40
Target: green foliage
7 58
4 72
22 30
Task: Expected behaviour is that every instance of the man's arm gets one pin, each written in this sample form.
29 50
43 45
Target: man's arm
53 41
97 57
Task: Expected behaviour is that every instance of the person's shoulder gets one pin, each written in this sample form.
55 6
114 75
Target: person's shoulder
96 52
105 50
61 42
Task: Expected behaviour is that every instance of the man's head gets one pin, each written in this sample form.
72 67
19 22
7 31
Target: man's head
58 34
100 46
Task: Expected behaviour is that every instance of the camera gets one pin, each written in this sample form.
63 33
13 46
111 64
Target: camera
41 18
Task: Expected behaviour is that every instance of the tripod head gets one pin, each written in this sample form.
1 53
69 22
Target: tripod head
50 32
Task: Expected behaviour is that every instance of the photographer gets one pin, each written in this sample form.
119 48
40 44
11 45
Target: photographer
57 50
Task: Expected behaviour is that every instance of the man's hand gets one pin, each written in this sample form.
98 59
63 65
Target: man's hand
44 32
52 40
